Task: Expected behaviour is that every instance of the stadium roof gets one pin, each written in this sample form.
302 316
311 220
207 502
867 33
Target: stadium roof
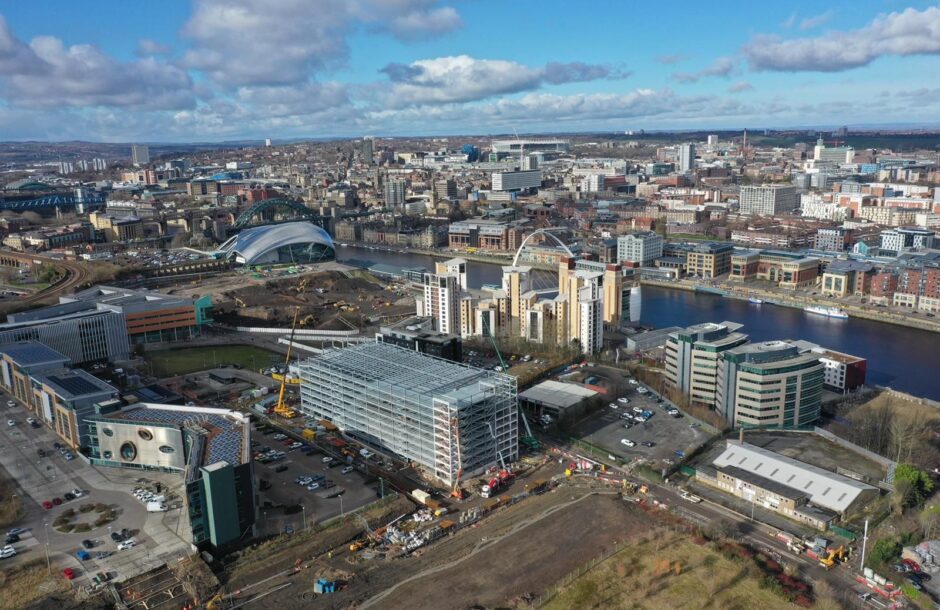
253 243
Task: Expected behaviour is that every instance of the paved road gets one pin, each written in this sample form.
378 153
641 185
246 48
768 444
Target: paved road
161 535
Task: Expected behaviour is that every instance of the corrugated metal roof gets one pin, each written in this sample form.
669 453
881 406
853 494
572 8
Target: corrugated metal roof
824 488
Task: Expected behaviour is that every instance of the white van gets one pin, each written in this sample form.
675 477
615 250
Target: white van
156 507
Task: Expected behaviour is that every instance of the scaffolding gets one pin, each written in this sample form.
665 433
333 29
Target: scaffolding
405 402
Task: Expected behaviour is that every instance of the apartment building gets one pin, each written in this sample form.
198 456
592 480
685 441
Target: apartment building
709 259
768 200
641 248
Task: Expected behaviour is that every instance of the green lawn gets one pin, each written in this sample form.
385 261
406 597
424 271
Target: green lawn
170 362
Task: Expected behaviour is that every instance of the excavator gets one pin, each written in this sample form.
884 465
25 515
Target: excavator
830 559
282 409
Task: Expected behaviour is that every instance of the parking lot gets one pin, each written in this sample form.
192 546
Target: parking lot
279 489
668 435
159 536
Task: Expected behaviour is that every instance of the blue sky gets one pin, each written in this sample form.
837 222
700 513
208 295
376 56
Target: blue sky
227 69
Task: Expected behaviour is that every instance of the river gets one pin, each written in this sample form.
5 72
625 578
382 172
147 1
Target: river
901 357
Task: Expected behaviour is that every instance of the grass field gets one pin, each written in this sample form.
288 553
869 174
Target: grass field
27 583
10 505
668 571
168 363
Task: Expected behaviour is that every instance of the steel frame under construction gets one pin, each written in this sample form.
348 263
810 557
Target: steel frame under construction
407 403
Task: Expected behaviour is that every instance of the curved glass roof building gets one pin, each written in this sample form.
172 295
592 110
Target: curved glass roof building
288 243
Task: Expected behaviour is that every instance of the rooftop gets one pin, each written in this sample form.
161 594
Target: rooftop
32 353
557 394
76 383
405 370
222 430
824 488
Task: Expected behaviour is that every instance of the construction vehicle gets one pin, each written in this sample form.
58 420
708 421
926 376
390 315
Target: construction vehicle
282 409
214 601
502 479
829 560
456 492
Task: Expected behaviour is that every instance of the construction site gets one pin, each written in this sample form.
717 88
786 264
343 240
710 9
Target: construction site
331 297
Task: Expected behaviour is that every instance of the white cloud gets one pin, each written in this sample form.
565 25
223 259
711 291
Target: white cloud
815 21
280 42
723 66
740 86
46 73
910 32
147 47
462 78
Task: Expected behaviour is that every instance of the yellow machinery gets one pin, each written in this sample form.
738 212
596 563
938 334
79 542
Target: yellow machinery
830 560
282 409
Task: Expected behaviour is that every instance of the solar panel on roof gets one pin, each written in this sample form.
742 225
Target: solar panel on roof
75 385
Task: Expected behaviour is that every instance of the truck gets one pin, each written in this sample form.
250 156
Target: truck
502 479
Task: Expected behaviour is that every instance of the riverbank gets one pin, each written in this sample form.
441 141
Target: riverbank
786 299
491 259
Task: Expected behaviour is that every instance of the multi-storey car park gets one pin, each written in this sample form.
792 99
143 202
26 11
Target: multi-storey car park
453 420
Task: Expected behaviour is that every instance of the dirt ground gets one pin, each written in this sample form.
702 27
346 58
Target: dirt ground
525 561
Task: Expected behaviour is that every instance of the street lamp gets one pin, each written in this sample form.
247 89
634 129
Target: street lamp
341 511
303 513
45 529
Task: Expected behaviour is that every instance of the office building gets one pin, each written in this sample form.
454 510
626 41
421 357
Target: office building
686 158
593 183
641 248
418 333
692 356
834 239
367 150
416 407
442 301
529 162
768 199
836 155
517 181
772 383
117 228
789 270
267 142
894 241
445 189
20 360
708 259
82 334
712 142
801 491
394 193
842 372
209 447
140 154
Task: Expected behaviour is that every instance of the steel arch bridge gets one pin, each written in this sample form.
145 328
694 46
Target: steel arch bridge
545 231
50 201
270 207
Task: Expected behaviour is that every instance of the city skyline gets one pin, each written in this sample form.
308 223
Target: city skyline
213 71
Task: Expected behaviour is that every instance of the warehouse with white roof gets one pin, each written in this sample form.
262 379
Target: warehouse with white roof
796 489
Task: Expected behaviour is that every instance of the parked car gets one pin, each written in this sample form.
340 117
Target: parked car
30 421
624 401
56 446
47 504
116 536
627 442
613 405
11 423
281 468
88 544
69 496
11 538
7 552
68 456
313 486
78 493
10 403
347 470
16 530
648 444
68 573
127 544
57 501
41 452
